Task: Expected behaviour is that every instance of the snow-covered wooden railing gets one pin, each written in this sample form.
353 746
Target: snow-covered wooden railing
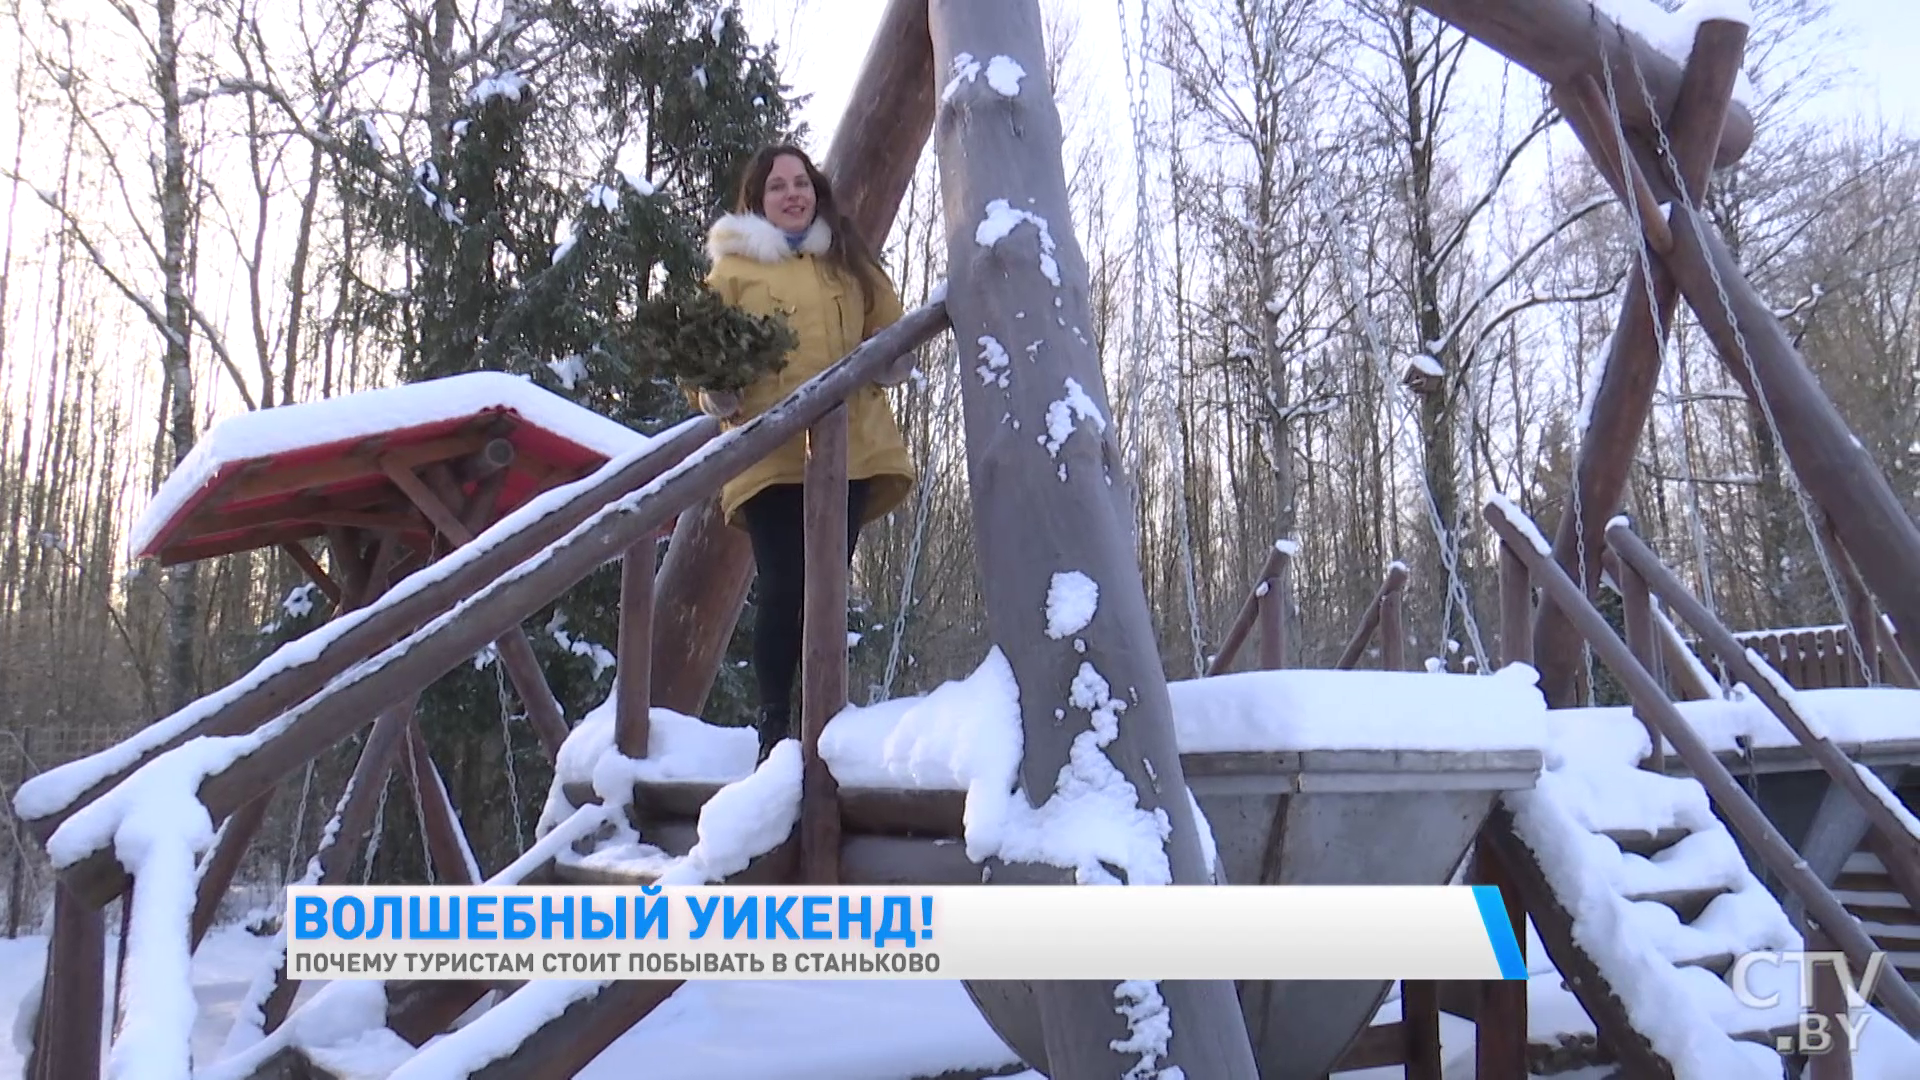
1523 546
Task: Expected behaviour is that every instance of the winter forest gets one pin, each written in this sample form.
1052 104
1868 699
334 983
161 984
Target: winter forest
1351 277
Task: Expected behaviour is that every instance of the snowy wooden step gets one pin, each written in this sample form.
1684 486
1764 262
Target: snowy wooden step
1688 903
1645 842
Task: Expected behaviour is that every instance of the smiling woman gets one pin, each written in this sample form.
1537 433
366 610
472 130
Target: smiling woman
787 250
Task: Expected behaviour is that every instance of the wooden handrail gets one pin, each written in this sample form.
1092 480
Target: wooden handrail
1736 807
1714 634
1243 620
608 531
1391 585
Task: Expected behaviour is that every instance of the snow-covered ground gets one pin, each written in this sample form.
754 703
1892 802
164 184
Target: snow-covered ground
836 1031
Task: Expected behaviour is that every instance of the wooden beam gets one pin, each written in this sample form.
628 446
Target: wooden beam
314 571
823 667
446 843
632 693
1832 465
703 582
1042 509
1556 40
340 708
1393 631
399 616
355 815
1500 1015
1638 614
331 471
1272 598
1730 800
1624 398
1420 1028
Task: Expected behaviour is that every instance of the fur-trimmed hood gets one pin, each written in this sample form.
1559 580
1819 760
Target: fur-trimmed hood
754 237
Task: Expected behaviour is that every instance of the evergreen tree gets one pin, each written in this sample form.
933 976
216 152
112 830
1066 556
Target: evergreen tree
556 231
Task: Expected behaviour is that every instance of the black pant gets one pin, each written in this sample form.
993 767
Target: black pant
776 522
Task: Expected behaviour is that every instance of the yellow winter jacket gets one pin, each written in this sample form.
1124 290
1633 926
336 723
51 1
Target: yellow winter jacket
755 270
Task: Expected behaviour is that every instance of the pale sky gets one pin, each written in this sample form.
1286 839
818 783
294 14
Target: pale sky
822 53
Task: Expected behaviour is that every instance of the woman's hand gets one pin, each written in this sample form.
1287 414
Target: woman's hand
719 404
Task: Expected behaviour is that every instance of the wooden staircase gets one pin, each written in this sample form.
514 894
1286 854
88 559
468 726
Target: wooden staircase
1869 892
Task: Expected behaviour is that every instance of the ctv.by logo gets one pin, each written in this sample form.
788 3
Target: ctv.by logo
1812 1035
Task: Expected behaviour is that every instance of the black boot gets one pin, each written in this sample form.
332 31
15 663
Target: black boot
776 722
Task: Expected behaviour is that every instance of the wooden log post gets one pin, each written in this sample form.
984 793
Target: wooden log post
1272 595
1624 398
340 708
708 567
632 693
1366 631
1250 613
1393 629
1830 1001
1050 503
1500 1019
275 693
823 663
1637 606
67 1031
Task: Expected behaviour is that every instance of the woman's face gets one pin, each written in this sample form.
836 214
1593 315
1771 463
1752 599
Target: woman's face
788 198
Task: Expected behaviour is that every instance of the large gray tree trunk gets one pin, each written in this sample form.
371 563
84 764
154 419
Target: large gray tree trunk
1049 498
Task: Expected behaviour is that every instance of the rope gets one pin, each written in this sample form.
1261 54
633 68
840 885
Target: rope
1394 392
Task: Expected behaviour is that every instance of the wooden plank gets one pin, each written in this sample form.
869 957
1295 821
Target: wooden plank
530 684
703 581
1624 398
1420 1028
1516 609
1554 924
1731 801
1377 1046
1830 1001
632 694
1040 509
334 470
340 708
1560 40
1393 631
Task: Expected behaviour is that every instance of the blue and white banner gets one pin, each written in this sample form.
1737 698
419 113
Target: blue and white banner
945 932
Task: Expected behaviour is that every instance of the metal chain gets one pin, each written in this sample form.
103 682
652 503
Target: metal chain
1392 390
1801 499
935 463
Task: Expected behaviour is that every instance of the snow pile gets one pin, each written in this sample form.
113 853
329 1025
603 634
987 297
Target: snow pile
1149 1029
1360 710
1592 783
1845 715
288 428
1672 32
1064 416
506 84
1072 599
751 814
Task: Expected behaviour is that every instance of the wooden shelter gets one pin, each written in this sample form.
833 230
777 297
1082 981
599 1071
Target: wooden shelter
391 500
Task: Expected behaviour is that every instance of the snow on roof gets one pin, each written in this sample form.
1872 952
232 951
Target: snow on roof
288 428
1672 32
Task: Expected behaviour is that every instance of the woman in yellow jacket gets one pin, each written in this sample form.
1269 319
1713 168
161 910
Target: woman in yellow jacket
788 250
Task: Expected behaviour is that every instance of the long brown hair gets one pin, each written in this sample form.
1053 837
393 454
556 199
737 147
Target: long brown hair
848 251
